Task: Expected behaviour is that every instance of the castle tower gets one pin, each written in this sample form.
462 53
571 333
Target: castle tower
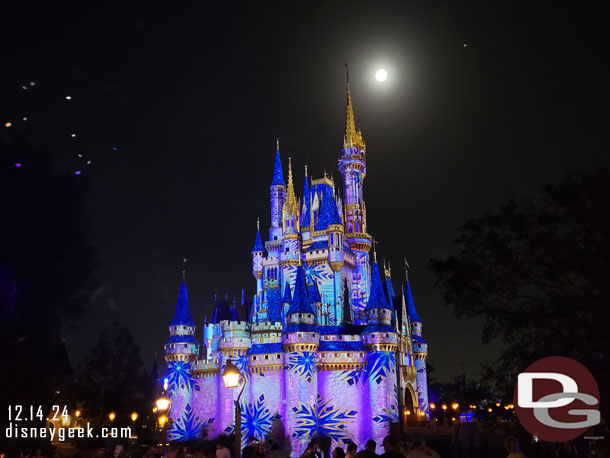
352 164
306 211
420 350
300 341
257 259
181 350
286 301
381 340
278 197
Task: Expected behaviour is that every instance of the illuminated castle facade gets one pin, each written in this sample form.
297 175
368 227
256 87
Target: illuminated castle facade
326 348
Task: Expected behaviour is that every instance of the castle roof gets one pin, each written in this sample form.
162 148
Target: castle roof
371 328
222 312
274 305
341 345
417 339
300 327
287 299
377 298
411 312
318 245
182 317
345 329
278 173
265 348
328 214
182 339
300 301
258 243
313 292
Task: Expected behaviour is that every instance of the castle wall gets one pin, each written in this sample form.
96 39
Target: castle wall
205 404
383 396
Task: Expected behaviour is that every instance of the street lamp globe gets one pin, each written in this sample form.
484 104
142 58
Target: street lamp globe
162 404
231 375
134 416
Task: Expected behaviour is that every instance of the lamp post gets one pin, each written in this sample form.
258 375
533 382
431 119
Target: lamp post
231 377
163 404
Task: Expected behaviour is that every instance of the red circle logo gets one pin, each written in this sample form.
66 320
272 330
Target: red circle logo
557 399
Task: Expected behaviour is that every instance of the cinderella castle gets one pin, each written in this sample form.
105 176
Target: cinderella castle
325 348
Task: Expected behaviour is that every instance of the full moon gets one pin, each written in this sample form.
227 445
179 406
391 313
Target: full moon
381 75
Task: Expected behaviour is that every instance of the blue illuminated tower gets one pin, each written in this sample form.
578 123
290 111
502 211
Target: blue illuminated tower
181 350
300 340
381 341
257 259
352 164
420 349
278 197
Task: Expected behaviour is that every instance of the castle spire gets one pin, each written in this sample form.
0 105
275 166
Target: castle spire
183 316
290 206
353 137
278 172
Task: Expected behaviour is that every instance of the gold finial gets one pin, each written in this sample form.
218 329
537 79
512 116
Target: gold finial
183 268
290 206
407 267
305 170
277 143
258 224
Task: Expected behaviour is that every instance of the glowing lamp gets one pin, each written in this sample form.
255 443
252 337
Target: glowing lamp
231 375
452 418
490 410
111 416
432 406
455 406
162 420
165 383
162 404
77 414
134 416
408 412
421 414
498 404
444 407
8 124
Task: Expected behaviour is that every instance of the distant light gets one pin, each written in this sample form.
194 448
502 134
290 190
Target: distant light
17 164
114 148
111 416
32 83
80 155
77 172
77 413
88 162
381 75
432 405
455 405
25 118
73 135
25 88
8 124
465 45
68 97
134 416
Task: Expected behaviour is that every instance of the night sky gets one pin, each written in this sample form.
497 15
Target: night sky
177 107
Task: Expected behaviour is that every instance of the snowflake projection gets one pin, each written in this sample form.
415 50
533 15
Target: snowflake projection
320 273
256 420
303 363
323 420
352 377
179 375
242 365
187 427
381 365
388 414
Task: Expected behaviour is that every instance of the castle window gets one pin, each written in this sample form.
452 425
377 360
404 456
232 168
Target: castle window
266 356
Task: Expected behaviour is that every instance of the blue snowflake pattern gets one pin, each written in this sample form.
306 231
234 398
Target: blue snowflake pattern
256 420
303 363
323 420
388 414
381 365
186 427
179 375
242 365
352 377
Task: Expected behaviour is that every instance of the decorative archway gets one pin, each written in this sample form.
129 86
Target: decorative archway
411 405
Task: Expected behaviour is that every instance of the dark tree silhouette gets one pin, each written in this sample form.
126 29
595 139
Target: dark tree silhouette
112 378
537 272
47 265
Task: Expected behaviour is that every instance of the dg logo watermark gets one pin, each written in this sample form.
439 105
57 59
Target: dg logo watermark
557 399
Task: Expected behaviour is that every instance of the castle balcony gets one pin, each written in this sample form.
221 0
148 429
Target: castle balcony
381 341
265 363
182 330
265 329
205 368
341 354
